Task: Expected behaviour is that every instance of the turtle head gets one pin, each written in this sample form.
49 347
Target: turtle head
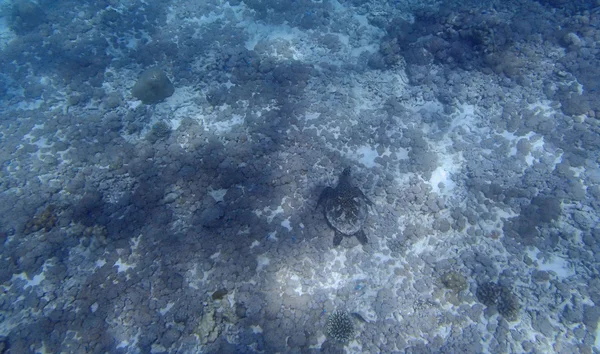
344 177
345 173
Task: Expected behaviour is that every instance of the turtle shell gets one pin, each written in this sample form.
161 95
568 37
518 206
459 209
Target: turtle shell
346 212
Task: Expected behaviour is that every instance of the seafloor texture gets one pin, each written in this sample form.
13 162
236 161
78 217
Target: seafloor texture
162 161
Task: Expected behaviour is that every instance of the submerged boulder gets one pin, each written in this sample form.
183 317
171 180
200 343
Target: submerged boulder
153 86
26 16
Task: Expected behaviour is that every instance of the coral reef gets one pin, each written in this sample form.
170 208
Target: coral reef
339 326
454 281
153 86
160 130
45 220
507 303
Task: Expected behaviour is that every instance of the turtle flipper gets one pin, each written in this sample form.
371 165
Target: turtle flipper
337 239
362 237
325 194
359 192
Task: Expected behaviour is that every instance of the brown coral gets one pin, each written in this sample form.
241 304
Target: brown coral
45 220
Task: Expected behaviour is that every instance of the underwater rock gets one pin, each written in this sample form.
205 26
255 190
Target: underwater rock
45 220
153 86
26 16
160 130
454 281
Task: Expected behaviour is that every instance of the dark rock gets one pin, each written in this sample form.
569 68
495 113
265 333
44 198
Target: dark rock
153 86
26 16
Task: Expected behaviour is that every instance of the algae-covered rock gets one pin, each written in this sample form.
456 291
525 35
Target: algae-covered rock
208 329
508 305
45 220
153 86
160 130
26 16
454 281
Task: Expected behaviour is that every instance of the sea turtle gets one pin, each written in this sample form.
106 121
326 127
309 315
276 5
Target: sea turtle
345 208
